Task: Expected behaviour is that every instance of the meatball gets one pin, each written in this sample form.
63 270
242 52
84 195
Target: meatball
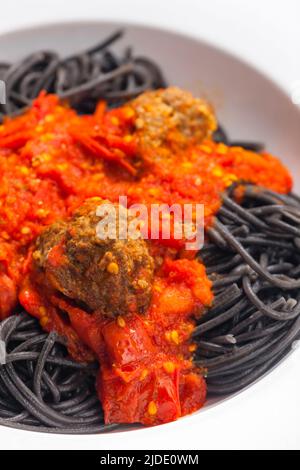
112 276
172 117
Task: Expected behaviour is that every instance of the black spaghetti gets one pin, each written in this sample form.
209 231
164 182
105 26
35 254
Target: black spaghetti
253 259
82 79
40 386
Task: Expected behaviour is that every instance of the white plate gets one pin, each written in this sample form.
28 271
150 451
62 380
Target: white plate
251 107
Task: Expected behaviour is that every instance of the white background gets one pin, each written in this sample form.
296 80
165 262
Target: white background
266 33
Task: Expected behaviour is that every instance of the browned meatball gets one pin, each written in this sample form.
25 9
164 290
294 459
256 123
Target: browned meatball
172 117
111 276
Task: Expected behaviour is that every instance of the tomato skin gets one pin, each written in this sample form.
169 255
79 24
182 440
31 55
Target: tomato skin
127 343
193 391
131 371
157 388
48 314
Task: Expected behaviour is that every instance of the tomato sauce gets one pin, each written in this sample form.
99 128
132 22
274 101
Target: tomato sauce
51 160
